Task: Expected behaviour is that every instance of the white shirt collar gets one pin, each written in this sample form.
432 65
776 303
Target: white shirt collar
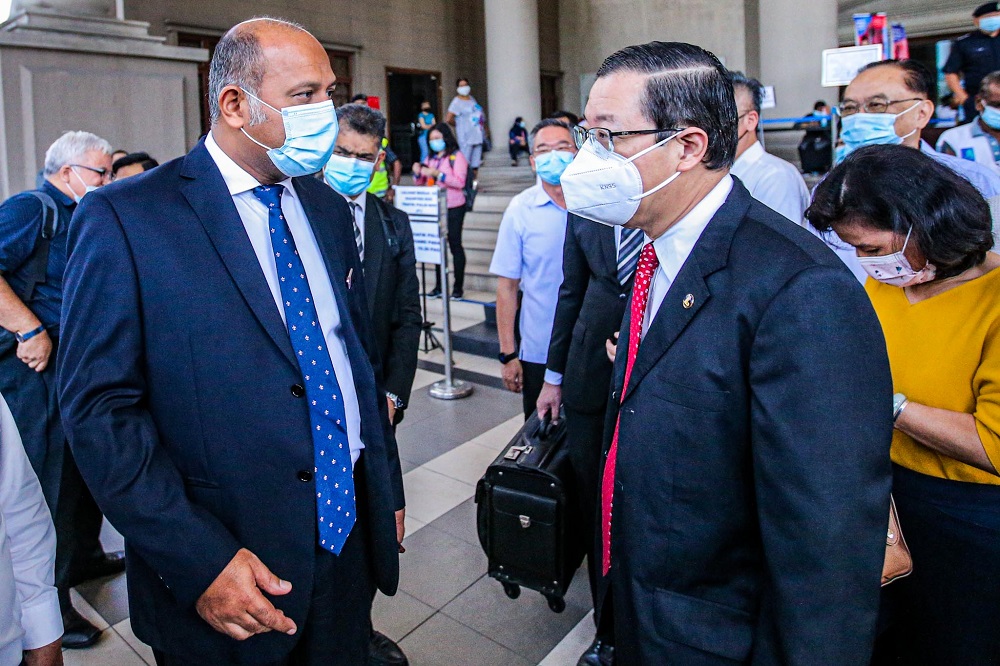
675 245
237 179
361 201
752 154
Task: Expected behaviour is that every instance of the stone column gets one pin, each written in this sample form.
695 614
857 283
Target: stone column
78 65
512 65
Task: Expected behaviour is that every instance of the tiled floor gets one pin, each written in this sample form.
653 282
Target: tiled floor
447 611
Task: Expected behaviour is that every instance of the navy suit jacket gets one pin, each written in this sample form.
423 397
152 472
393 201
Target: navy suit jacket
178 387
753 475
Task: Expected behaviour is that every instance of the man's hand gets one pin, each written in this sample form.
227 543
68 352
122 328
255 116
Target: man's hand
400 525
392 410
549 401
233 604
612 347
959 98
48 655
36 351
390 195
513 375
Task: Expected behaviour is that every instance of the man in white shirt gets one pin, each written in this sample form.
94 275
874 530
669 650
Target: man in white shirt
528 258
30 621
770 179
731 418
979 140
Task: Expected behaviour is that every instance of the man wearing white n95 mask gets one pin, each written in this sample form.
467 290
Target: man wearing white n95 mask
731 418
770 179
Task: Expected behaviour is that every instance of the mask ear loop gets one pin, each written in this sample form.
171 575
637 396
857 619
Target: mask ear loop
914 129
664 183
245 133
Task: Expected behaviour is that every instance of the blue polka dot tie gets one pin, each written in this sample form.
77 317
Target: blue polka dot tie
332 454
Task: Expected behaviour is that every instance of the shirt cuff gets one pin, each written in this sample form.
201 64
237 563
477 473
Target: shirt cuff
42 620
553 377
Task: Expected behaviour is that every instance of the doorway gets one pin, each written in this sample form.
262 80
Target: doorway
408 88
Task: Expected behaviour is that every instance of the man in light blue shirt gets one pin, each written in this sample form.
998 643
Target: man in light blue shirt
528 258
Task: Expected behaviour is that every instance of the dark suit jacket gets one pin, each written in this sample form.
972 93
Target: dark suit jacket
393 293
753 475
179 395
590 309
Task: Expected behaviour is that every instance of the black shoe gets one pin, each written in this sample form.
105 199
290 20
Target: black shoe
434 293
383 651
457 295
78 632
109 564
598 654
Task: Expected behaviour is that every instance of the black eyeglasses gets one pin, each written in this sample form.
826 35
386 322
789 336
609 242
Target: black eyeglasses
100 172
872 105
606 138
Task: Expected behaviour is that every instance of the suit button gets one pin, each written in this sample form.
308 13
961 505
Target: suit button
622 297
298 390
305 476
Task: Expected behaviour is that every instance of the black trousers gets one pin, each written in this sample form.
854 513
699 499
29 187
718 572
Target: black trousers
31 397
456 218
945 613
533 376
585 434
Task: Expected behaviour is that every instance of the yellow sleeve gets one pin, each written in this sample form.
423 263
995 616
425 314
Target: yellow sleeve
986 388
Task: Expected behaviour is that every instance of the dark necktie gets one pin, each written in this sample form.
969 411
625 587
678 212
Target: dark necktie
647 265
334 473
358 239
628 253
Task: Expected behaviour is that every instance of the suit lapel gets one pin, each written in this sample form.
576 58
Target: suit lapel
374 248
206 191
321 221
609 247
689 291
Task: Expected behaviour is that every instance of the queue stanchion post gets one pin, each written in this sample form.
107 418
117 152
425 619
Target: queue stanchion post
430 341
449 388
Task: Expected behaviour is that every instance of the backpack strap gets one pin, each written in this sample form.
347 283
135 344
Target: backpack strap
36 266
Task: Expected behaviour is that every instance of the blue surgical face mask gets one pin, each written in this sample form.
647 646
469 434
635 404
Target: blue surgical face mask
991 116
437 145
550 166
989 24
310 134
348 175
870 129
87 189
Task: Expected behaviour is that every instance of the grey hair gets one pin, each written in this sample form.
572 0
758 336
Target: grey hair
239 61
362 119
70 148
754 87
991 79
547 122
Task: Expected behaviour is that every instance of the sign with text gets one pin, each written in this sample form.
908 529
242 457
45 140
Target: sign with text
840 66
423 206
770 101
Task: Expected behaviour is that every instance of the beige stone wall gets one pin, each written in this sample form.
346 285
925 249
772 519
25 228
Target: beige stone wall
446 36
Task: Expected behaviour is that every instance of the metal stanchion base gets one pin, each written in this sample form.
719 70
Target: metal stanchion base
456 390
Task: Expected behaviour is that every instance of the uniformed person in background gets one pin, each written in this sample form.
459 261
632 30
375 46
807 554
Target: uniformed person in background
973 56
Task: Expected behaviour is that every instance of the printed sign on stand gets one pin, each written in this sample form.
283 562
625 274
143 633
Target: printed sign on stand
840 66
770 101
421 204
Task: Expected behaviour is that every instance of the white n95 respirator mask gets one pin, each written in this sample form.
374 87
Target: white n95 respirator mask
605 187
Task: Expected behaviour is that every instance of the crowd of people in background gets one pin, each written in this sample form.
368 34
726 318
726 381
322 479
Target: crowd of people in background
747 369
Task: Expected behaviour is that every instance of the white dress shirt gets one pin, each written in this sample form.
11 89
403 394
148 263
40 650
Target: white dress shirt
675 245
29 604
254 216
773 182
530 249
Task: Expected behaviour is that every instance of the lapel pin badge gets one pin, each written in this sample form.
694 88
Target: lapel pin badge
688 302
350 277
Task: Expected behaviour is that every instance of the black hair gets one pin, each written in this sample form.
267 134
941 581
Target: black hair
687 87
359 98
450 142
752 86
362 120
144 159
819 104
568 115
915 75
897 188
548 122
459 80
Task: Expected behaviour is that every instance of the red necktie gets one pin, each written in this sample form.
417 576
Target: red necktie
640 296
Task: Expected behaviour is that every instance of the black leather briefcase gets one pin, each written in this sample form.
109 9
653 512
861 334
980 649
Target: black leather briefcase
525 516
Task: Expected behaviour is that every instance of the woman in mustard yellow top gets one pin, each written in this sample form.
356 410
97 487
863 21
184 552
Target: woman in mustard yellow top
923 234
